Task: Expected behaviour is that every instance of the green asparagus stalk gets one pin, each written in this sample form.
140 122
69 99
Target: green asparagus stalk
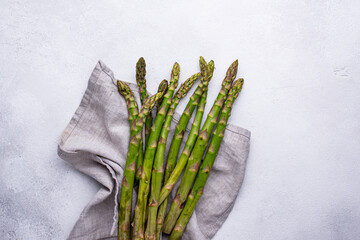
130 166
162 89
140 78
140 209
198 151
178 136
184 120
158 170
208 162
194 132
141 82
163 86
132 106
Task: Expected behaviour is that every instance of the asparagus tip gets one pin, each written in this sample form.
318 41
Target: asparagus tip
175 74
238 84
176 68
141 61
140 71
236 87
211 67
163 86
123 87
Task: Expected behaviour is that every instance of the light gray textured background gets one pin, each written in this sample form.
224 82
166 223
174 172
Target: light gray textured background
301 64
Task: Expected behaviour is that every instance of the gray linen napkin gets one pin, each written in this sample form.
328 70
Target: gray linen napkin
96 141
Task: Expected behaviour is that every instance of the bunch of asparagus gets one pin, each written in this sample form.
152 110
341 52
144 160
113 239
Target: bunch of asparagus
144 165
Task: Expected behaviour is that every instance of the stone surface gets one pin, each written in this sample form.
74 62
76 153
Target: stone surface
300 61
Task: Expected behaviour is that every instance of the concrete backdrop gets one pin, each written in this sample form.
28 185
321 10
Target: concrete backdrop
300 61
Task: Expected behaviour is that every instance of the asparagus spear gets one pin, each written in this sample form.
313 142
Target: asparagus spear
194 132
178 136
129 170
141 82
140 78
184 120
132 106
158 170
163 86
198 151
208 162
162 89
185 117
140 209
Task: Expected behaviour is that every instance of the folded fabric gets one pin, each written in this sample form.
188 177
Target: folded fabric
96 142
